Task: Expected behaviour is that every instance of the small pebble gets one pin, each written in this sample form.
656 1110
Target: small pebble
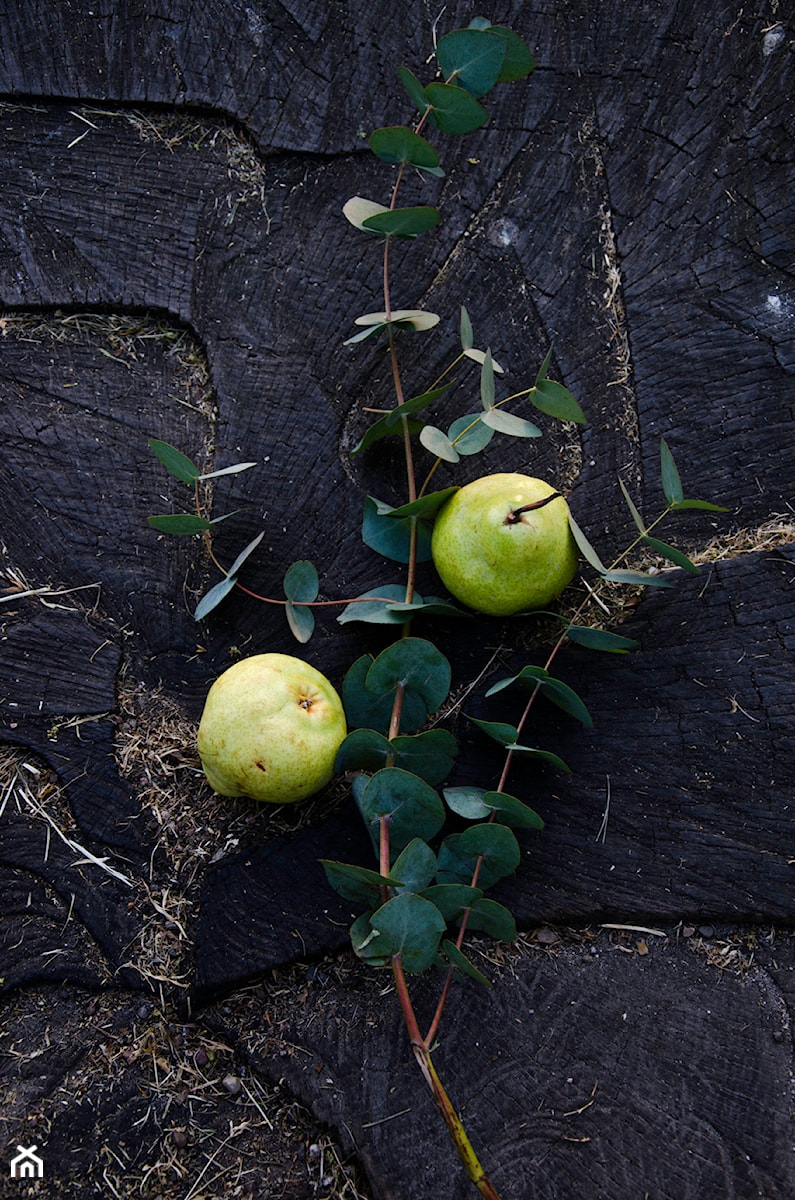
231 1084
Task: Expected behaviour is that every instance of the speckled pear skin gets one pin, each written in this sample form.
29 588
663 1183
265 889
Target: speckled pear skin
271 728
497 563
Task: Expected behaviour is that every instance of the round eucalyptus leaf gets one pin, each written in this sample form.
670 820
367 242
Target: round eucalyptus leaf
490 917
491 848
509 810
413 807
358 209
363 750
413 927
391 536
452 898
399 144
418 666
364 709
438 443
357 883
430 754
467 802
415 866
368 944
472 58
469 434
403 222
454 110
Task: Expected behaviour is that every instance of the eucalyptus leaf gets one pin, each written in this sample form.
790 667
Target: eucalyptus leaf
459 960
492 918
357 210
413 807
180 523
430 754
301 581
671 482
636 579
301 621
472 58
362 708
452 898
542 370
357 883
415 866
363 750
672 554
466 335
416 91
439 444
557 691
409 318
235 469
374 606
454 110
510 810
368 944
504 734
469 434
487 382
636 517
467 801
426 506
518 61
392 537
248 550
213 598
556 401
554 760
585 547
505 422
175 462
403 222
399 144
600 639
490 848
413 928
417 666
479 356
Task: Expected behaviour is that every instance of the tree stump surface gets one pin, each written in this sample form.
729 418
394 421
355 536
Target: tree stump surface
174 265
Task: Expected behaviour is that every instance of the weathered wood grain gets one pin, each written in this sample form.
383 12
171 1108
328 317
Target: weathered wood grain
183 172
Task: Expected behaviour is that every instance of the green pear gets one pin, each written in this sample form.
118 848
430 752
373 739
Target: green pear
498 550
270 729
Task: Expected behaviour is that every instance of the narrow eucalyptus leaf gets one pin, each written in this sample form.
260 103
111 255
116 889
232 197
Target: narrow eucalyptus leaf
673 555
556 401
175 462
702 504
585 547
179 523
356 883
479 356
504 734
637 579
505 422
542 370
467 338
545 755
460 961
671 483
487 382
235 469
509 810
636 517
416 91
244 554
392 537
213 598
427 506
600 639
373 607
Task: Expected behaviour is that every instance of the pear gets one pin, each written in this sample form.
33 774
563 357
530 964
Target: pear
271 728
502 544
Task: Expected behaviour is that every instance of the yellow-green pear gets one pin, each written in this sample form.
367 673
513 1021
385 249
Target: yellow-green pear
498 550
270 729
